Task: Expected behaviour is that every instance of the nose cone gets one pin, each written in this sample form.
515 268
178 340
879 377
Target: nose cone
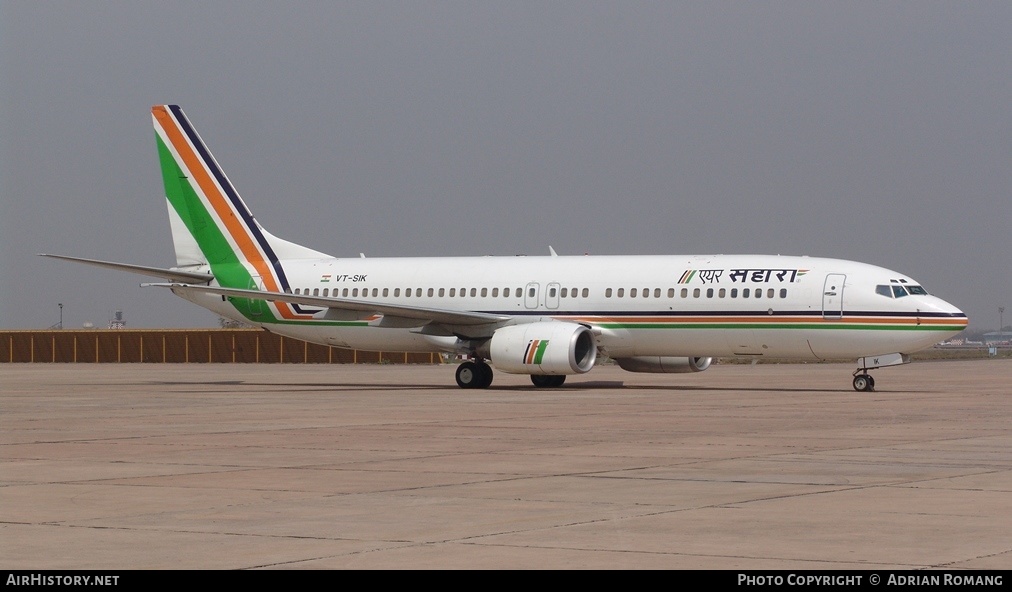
941 315
943 307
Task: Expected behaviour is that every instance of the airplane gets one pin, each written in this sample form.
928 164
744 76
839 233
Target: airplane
548 317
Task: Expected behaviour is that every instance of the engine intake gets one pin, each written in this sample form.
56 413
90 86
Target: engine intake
546 347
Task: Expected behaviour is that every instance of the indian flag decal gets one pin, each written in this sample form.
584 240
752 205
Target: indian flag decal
535 351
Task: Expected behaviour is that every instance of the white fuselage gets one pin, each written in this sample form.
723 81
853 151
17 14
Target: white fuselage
699 305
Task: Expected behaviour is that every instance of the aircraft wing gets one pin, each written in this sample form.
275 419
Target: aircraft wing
436 315
175 275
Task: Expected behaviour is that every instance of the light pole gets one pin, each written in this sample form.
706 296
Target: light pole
61 315
1001 323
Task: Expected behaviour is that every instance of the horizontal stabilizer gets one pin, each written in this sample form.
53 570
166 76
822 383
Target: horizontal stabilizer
175 275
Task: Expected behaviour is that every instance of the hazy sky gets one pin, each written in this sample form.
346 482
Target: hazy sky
874 131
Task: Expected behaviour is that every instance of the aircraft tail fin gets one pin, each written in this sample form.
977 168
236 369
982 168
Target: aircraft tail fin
210 223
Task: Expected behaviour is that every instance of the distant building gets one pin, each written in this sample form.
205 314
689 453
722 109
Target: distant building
998 338
117 322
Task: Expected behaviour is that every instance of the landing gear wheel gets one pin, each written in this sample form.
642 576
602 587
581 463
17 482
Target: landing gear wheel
548 381
468 375
474 375
486 375
864 382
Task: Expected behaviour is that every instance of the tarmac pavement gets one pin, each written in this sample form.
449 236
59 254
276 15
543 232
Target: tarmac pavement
245 466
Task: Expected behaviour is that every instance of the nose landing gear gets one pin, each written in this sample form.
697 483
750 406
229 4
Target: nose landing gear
864 381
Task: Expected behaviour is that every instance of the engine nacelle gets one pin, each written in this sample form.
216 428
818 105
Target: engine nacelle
547 347
664 365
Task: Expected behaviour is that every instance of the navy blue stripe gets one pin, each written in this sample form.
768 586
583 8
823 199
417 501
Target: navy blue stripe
736 313
237 203
230 192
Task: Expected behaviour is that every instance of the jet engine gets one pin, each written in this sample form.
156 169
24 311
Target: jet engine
664 365
547 347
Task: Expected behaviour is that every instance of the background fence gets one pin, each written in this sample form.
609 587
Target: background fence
250 346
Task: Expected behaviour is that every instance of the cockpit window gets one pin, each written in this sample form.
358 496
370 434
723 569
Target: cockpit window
895 291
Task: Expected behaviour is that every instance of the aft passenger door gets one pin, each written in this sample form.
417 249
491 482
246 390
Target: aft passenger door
832 296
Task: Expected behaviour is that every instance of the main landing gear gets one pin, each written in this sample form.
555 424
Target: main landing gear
475 374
